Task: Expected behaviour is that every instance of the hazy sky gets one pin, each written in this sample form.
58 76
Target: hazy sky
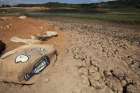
44 1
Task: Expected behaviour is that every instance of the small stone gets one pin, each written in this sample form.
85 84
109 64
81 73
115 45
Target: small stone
7 26
51 33
46 80
22 17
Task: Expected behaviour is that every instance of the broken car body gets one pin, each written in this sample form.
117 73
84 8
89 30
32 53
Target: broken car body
24 64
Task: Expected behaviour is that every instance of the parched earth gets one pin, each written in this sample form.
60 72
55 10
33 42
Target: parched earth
93 57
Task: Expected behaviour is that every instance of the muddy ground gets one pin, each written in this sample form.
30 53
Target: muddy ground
93 57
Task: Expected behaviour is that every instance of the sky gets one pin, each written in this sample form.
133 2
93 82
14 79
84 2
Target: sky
44 1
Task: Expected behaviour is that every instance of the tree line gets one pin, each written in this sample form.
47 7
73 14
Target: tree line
109 4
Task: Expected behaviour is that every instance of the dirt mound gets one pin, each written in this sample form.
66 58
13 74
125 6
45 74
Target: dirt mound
25 28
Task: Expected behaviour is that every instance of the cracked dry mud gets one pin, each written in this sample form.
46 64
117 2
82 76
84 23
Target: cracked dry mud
106 65
91 62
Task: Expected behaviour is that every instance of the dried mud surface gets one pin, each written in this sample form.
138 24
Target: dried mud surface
92 57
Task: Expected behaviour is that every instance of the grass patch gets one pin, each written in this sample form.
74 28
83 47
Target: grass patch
126 15
123 18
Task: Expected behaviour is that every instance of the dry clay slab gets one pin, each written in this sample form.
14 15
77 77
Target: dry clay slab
25 64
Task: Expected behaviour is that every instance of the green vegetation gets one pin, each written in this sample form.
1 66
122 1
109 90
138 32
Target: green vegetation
109 4
122 4
124 11
131 19
59 5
